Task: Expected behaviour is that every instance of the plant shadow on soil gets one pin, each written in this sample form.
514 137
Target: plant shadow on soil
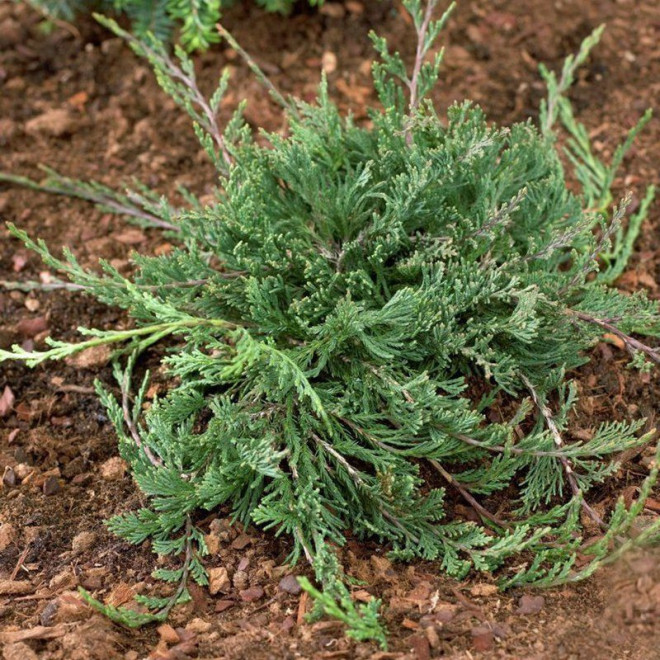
77 99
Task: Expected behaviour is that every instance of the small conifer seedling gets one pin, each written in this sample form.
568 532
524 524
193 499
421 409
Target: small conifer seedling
196 19
344 316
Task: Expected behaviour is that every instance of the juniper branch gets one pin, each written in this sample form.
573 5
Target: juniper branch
61 350
130 424
92 192
185 574
633 344
501 449
352 472
468 497
420 54
355 476
165 66
501 214
604 240
256 70
423 26
556 89
559 443
42 286
71 286
298 533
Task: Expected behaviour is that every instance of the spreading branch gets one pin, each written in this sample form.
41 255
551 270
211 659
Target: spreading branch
546 413
633 345
256 70
156 461
42 286
464 492
467 496
420 54
70 286
188 557
182 85
127 204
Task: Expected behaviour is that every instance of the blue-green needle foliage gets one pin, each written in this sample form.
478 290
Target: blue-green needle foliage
195 19
345 314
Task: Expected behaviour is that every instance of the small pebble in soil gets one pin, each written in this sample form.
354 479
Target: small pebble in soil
252 594
530 604
83 541
31 327
7 400
329 62
22 470
7 535
54 123
288 623
482 638
223 605
332 10
354 7
199 626
47 616
31 304
289 584
484 589
19 259
219 580
212 543
241 541
420 647
113 469
240 580
92 358
168 634
51 486
9 477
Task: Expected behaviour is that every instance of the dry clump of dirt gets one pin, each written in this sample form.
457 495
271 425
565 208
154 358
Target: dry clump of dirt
82 102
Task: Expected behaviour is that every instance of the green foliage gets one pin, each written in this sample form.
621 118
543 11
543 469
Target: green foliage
195 19
154 609
595 177
348 311
335 600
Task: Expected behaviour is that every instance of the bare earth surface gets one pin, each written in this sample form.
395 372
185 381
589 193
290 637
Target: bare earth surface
78 100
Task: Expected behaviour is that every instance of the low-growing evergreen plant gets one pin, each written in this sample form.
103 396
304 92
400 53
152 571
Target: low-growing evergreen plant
196 19
342 318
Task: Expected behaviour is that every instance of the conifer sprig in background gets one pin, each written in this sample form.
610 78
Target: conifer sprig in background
193 20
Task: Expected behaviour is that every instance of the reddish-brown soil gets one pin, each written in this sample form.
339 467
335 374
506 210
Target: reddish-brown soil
112 122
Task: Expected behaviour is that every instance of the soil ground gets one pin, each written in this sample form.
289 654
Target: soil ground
77 99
